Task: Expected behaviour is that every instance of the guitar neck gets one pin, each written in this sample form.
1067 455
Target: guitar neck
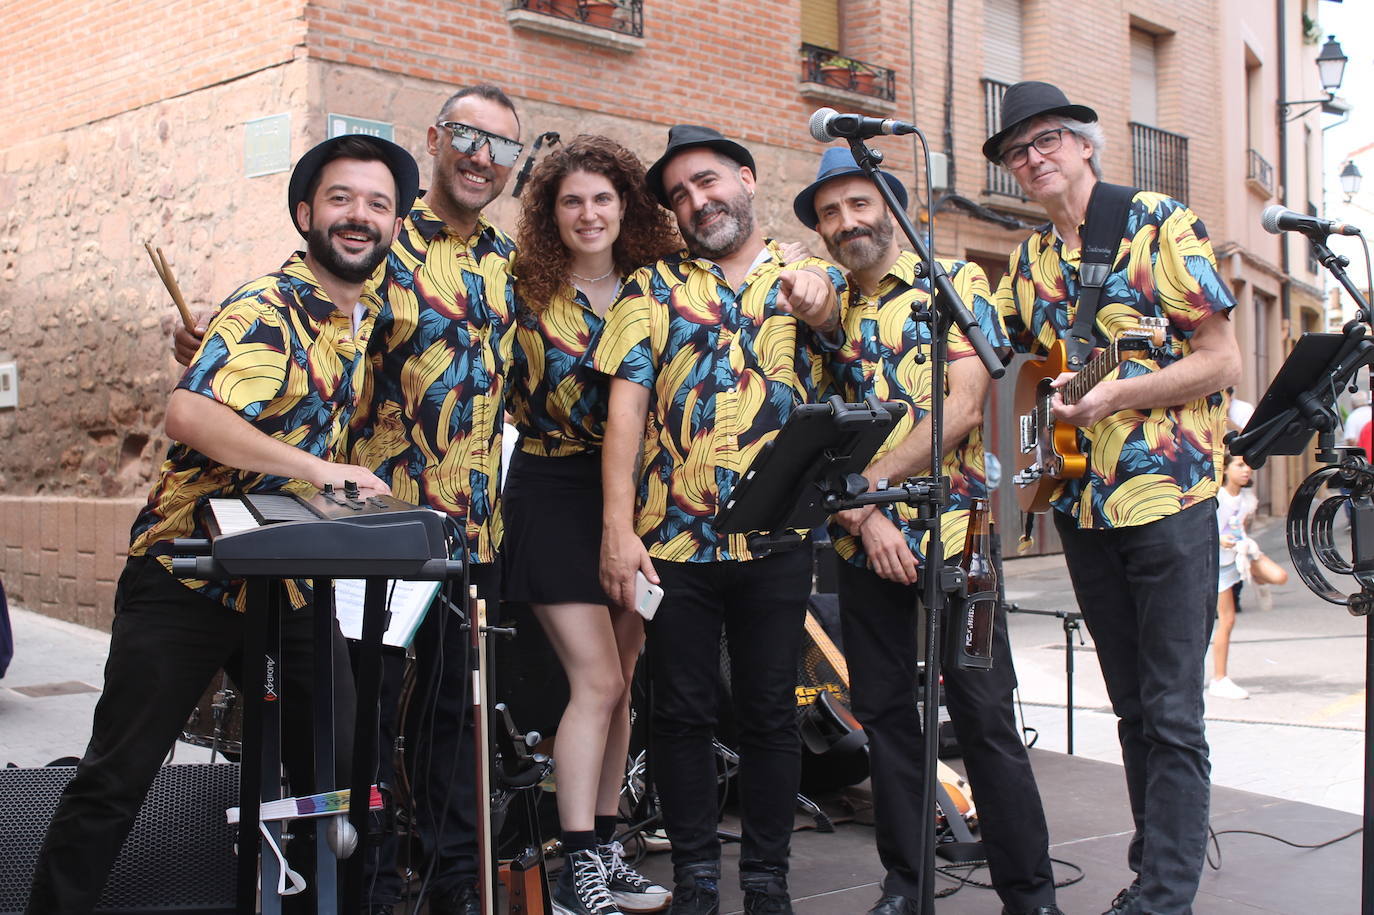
1098 367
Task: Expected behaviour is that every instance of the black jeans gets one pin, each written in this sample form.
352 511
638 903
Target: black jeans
760 604
166 643
440 755
881 643
1149 597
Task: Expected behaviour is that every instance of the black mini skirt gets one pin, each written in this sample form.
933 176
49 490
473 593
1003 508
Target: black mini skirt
552 513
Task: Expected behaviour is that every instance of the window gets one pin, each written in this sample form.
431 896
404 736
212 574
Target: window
820 23
1002 26
1144 78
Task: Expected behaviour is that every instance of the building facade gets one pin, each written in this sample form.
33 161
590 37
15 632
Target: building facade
176 124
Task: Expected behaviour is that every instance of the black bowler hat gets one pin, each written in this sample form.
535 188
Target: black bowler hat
838 162
401 163
1027 100
682 137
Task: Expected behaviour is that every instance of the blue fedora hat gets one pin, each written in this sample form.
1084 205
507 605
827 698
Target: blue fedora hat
838 162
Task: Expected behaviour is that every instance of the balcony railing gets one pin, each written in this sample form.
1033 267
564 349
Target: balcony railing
1000 180
830 68
1259 173
626 16
1161 161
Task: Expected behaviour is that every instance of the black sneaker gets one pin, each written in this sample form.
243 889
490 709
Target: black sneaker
581 888
765 894
463 900
1125 901
697 892
631 890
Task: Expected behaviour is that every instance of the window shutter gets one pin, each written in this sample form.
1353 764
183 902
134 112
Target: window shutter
820 23
1144 80
1002 40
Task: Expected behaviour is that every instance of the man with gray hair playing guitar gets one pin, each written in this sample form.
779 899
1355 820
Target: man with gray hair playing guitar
1138 526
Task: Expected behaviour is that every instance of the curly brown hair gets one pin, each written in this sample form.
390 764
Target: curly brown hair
646 231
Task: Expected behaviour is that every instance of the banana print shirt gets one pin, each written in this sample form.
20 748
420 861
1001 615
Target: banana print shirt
558 402
280 355
442 345
1143 465
881 344
724 368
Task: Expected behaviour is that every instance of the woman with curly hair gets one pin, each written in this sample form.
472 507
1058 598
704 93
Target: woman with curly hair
587 222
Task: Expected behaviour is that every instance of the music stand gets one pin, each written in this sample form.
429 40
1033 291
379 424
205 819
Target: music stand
812 470
1300 399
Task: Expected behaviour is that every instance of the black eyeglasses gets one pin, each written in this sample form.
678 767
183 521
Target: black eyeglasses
467 140
1045 142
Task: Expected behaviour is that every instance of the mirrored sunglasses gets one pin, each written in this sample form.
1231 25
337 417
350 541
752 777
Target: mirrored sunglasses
468 140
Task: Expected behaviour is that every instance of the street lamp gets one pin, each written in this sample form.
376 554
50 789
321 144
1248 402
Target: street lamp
1350 180
1330 70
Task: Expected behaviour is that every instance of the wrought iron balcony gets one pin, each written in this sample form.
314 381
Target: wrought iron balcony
1160 160
1259 173
1000 179
626 16
830 68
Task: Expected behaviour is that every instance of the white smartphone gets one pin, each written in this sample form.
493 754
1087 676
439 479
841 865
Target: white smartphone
647 596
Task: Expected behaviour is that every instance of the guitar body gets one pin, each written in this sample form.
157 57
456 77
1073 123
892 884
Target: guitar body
1053 446
1048 452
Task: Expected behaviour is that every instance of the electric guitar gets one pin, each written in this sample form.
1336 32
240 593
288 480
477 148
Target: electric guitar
1048 452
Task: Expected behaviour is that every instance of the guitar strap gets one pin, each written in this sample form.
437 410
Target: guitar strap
1104 225
1103 228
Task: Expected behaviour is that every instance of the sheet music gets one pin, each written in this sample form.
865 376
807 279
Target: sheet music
232 516
407 601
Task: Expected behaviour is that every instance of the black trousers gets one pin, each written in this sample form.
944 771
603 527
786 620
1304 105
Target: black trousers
881 642
761 605
1149 597
440 756
166 643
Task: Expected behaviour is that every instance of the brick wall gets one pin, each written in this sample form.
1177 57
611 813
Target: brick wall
77 62
62 556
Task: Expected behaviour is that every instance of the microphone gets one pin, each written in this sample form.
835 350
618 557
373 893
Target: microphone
1276 219
827 124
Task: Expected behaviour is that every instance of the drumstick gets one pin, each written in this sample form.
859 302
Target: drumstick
165 272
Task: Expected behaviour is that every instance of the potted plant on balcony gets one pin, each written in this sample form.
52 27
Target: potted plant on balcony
836 70
607 14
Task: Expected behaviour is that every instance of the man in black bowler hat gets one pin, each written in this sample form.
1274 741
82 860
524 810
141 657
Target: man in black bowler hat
717 346
1139 527
301 333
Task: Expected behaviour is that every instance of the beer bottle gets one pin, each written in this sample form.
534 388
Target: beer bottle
970 635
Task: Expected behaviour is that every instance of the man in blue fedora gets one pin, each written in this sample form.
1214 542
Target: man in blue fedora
881 550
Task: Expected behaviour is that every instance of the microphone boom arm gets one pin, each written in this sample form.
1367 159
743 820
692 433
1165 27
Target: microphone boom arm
939 279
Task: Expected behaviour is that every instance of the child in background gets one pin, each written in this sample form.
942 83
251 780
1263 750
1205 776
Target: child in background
1240 560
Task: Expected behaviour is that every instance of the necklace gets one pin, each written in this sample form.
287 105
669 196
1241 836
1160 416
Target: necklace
591 279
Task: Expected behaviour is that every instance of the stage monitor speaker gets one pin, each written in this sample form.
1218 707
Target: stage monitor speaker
178 858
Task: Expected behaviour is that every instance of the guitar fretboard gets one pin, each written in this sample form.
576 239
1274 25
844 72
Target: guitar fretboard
1100 366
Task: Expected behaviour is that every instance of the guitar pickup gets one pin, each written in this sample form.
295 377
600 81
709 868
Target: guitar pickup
1028 436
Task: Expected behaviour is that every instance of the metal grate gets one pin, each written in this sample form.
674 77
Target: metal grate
1160 161
1000 180
626 16
178 858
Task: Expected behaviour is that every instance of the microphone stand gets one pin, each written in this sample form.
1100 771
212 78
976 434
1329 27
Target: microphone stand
946 307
